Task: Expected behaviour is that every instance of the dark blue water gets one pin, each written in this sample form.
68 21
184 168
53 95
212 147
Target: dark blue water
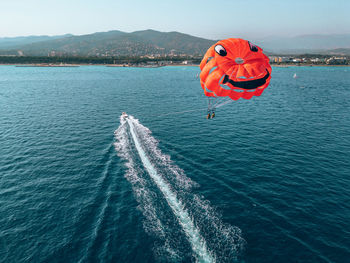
266 181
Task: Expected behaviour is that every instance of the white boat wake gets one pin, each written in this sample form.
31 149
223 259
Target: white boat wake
165 188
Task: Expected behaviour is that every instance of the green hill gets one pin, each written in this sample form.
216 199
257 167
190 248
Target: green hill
117 43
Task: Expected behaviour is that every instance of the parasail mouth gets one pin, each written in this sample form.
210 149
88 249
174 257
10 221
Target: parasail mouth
247 84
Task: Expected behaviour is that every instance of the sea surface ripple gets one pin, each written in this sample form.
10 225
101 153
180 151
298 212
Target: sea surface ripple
273 171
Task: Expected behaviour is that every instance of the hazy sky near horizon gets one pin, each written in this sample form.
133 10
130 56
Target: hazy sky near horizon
209 19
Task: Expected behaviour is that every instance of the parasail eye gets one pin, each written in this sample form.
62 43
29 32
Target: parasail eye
253 47
220 50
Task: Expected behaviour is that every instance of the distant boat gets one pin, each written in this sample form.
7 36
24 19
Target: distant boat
295 76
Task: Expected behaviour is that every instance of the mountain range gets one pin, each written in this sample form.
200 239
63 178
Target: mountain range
112 43
151 42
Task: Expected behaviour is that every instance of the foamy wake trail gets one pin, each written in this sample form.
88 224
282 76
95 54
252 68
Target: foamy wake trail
164 188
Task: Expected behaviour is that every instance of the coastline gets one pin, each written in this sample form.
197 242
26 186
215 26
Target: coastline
44 65
306 65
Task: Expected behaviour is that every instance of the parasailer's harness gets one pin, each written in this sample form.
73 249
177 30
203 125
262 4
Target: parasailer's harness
211 107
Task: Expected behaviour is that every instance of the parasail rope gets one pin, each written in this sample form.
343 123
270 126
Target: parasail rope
179 112
223 103
213 103
218 105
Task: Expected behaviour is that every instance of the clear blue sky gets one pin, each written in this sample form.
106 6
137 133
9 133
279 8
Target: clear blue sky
213 19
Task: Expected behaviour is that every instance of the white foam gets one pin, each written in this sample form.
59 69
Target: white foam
197 242
210 239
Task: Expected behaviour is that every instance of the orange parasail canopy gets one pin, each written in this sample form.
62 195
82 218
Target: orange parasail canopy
234 68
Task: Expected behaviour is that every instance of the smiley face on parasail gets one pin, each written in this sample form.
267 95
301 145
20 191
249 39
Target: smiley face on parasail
234 68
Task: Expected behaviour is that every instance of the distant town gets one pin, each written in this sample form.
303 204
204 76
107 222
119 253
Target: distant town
157 60
310 59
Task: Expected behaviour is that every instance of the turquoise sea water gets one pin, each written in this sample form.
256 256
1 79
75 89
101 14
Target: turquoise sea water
266 181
